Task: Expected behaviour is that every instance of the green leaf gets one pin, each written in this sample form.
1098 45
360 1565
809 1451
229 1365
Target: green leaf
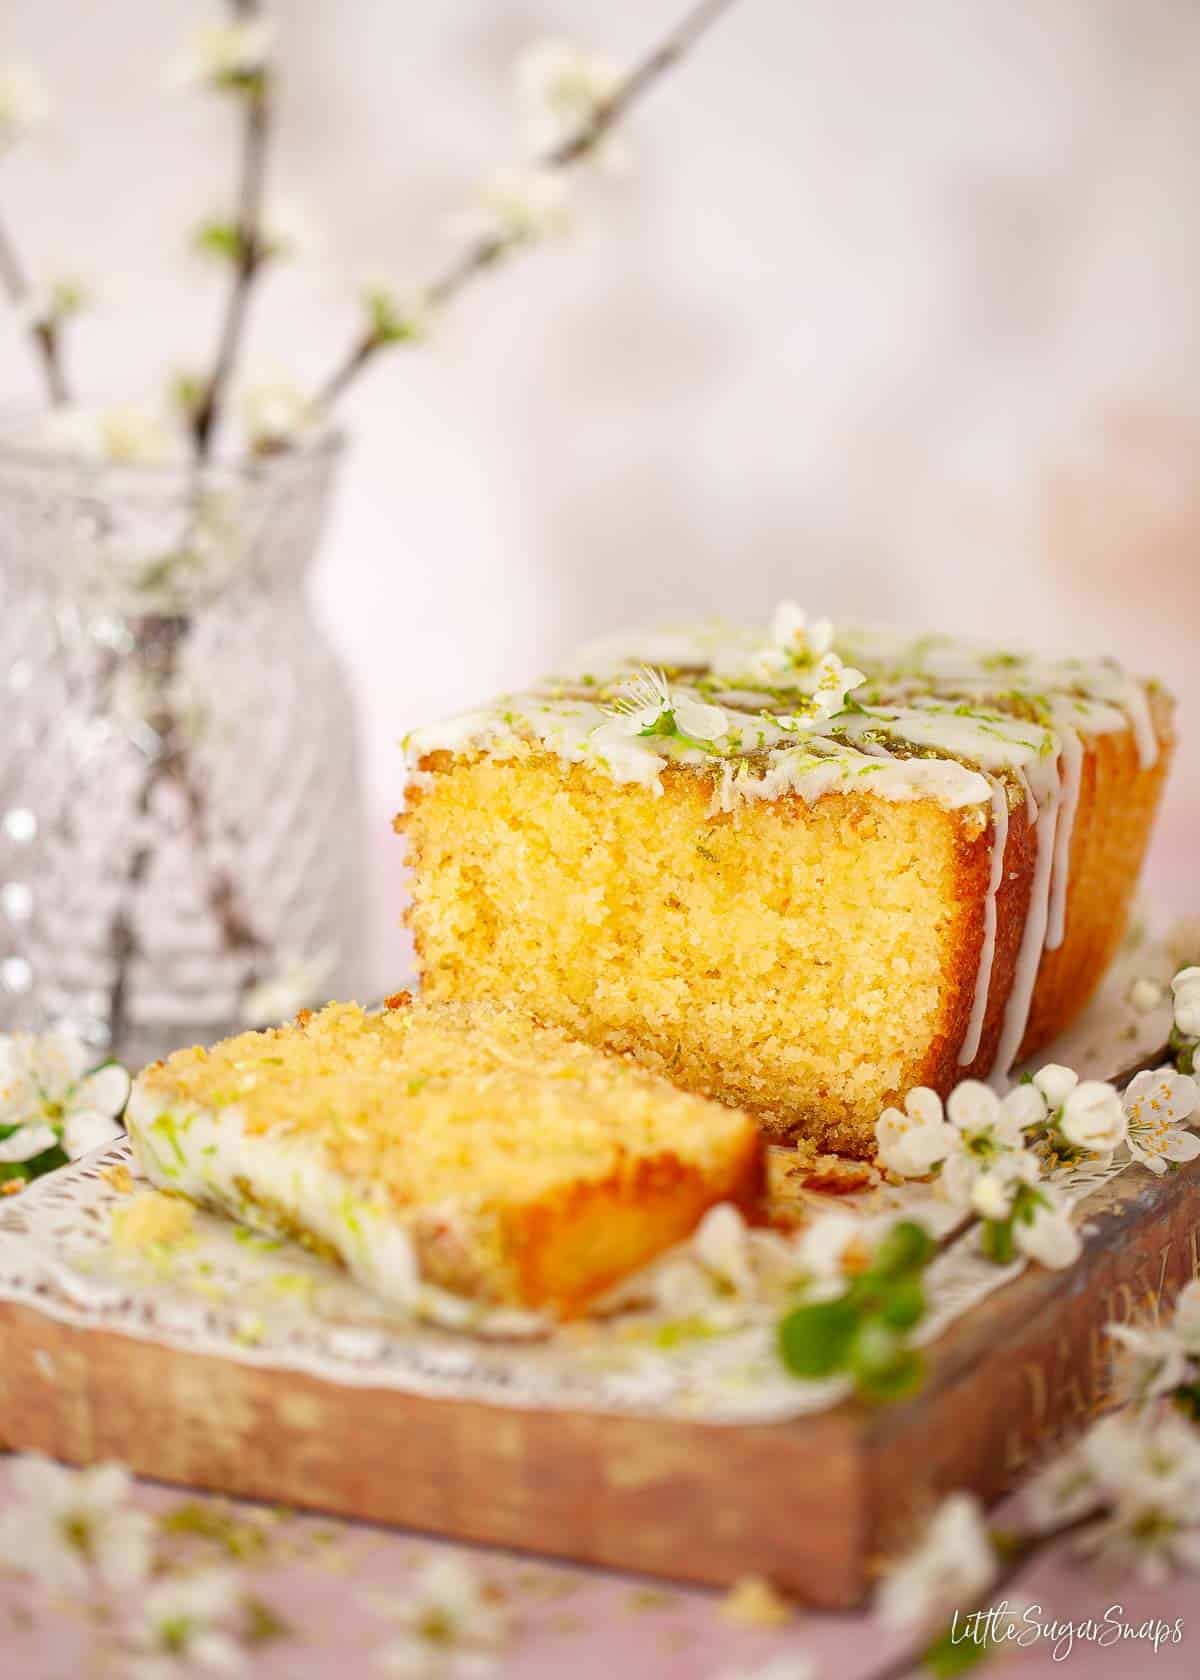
387 321
814 1339
904 1248
218 239
897 1381
903 1303
948 1656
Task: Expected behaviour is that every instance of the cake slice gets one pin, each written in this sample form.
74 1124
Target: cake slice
798 870
459 1143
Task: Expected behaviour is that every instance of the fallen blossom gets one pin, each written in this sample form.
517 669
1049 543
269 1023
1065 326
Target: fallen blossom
70 1528
451 1623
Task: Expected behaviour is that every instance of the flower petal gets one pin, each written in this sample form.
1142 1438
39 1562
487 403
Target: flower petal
106 1090
1024 1106
702 722
28 1141
973 1106
88 1130
57 1060
1056 1083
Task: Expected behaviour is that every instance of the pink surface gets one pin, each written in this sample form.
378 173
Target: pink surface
323 1579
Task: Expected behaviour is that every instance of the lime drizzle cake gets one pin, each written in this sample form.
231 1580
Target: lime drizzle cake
805 710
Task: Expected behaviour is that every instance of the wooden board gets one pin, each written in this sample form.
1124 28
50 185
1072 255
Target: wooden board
815 1505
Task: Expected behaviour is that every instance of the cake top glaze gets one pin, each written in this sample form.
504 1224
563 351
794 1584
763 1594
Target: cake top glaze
802 708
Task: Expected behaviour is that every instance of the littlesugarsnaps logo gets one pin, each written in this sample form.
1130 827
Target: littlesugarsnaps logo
1028 1624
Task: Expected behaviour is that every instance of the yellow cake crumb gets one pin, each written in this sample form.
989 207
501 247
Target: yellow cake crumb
753 1602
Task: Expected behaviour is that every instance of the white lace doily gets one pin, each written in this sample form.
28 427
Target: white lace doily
230 1293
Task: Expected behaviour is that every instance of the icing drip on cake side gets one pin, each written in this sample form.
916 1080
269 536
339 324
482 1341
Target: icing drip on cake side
987 950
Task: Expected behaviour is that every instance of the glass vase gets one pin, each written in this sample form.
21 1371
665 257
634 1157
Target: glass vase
179 802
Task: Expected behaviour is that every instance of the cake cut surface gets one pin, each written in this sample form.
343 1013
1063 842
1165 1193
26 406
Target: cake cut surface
459 1145
797 871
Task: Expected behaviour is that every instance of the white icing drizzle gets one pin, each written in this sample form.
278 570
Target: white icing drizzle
987 950
1070 773
1029 956
1131 696
964 707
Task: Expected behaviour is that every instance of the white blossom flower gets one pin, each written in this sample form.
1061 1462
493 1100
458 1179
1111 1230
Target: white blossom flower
24 103
225 54
1153 1103
953 1564
1185 993
991 1133
1154 1360
796 655
1043 1231
1064 1489
712 1277
1148 1476
1145 994
1055 1083
994 1188
135 435
394 319
517 206
53 300
180 1628
721 1244
450 1623
914 1140
834 1247
285 231
1187 1317
273 1001
1093 1118
796 639
47 1096
128 433
67 1527
831 683
561 90
275 410
649 706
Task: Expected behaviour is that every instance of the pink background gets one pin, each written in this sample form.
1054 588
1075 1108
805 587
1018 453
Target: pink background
575 1622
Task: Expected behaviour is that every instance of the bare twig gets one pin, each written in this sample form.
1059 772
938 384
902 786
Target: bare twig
160 647
486 250
43 333
248 257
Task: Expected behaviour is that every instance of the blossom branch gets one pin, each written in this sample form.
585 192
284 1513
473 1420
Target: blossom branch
490 247
249 253
44 332
1019 1552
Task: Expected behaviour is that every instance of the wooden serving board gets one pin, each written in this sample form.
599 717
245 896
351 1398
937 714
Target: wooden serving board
814 1504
